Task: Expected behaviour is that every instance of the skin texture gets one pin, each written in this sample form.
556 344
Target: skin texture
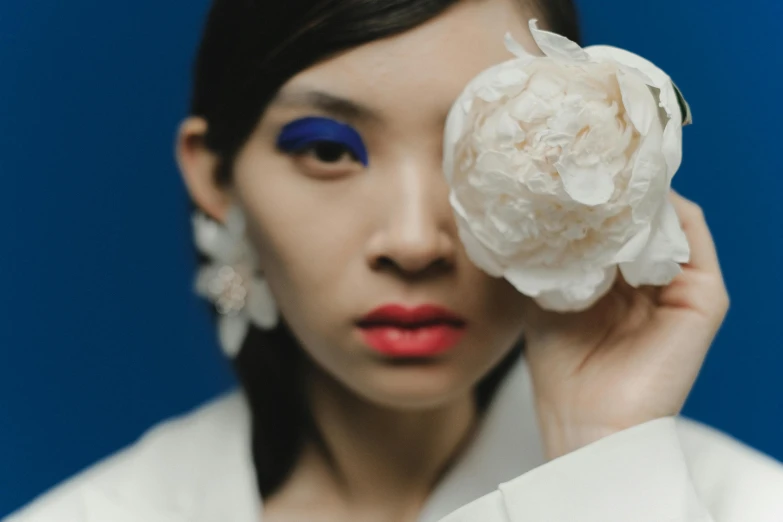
336 240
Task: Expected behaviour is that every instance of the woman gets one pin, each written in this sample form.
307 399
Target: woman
384 376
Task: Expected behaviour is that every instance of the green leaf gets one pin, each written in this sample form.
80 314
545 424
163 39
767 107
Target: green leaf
687 117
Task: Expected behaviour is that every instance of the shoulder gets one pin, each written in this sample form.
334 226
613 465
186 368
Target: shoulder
158 470
730 477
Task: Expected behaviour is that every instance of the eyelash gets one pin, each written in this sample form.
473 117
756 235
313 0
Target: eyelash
324 152
323 144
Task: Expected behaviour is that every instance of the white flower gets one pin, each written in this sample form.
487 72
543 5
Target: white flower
229 281
560 168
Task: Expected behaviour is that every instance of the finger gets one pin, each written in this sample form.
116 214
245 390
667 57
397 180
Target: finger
704 256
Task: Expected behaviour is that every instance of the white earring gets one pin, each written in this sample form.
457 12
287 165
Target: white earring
230 280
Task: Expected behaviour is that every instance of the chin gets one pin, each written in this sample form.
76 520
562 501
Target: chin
416 385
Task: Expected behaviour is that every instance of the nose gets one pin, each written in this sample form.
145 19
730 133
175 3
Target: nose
417 232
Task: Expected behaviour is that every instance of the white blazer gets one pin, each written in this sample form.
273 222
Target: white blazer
198 468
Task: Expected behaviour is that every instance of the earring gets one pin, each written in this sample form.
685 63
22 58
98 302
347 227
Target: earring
231 280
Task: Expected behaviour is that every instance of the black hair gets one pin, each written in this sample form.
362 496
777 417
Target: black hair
248 50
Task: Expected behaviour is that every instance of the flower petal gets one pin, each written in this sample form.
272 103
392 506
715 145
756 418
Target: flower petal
516 48
634 246
261 306
672 146
639 102
590 186
475 250
536 280
655 74
231 332
211 238
455 124
235 223
532 281
556 46
668 101
670 230
659 263
647 272
578 299
204 277
649 184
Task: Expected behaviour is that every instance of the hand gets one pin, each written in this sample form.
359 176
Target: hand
631 358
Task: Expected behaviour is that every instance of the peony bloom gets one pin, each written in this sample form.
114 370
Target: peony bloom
560 168
229 282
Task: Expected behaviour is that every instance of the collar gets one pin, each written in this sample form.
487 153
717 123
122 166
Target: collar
507 445
199 468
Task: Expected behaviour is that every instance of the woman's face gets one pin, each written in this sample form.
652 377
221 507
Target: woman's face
338 238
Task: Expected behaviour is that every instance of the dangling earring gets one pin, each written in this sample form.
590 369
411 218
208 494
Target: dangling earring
231 280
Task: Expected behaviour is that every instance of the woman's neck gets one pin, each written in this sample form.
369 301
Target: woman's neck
379 458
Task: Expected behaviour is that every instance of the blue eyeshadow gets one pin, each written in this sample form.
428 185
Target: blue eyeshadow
303 132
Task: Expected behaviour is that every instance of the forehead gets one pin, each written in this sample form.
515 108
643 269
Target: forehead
425 68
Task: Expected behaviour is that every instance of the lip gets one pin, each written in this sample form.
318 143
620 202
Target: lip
422 331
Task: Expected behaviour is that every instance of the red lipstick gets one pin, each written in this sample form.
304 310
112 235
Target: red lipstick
423 331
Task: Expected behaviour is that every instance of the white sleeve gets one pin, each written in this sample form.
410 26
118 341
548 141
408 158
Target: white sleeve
639 474
62 504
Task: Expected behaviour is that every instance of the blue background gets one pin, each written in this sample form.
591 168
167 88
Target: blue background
100 336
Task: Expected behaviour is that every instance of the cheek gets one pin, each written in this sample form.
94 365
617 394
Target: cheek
305 230
498 311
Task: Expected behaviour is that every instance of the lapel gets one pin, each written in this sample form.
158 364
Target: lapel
211 478
105 506
197 468
507 445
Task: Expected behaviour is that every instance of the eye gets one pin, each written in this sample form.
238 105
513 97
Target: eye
327 158
323 145
330 152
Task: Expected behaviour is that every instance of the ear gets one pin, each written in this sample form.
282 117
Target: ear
197 165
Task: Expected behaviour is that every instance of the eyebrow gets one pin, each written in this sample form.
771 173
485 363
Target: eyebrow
336 106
